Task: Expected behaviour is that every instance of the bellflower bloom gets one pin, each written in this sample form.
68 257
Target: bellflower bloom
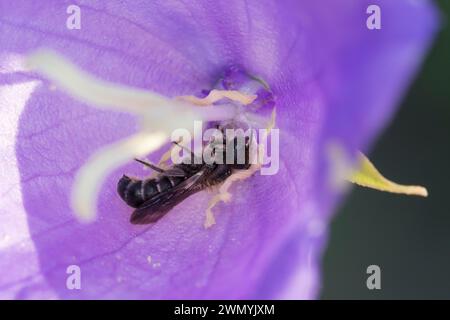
134 71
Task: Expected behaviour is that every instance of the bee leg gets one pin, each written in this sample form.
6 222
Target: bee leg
223 195
151 166
219 197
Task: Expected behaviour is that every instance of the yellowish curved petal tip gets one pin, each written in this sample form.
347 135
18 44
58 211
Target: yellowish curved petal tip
368 176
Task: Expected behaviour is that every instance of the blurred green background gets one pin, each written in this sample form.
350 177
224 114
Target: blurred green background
408 237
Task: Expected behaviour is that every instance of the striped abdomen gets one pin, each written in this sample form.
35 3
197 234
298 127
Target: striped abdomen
135 191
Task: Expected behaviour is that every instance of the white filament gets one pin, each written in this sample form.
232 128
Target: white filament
91 90
91 176
158 116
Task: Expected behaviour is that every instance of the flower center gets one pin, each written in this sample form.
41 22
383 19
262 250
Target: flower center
234 100
236 79
249 94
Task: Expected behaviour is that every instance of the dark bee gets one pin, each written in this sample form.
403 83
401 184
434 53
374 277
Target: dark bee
154 197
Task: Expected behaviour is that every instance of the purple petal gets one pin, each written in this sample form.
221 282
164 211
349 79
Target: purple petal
332 78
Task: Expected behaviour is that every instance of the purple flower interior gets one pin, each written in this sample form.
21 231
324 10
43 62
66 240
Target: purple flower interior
331 79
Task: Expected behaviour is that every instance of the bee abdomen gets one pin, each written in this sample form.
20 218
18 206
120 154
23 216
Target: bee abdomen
134 191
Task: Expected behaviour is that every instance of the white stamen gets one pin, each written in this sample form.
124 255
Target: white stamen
106 95
91 176
94 91
158 116
216 95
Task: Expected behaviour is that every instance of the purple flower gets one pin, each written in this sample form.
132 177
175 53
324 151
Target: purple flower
332 79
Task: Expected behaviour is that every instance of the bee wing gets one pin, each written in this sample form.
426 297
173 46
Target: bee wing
174 172
156 207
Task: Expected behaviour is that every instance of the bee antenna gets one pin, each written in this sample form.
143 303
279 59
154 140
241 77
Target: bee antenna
185 148
148 164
